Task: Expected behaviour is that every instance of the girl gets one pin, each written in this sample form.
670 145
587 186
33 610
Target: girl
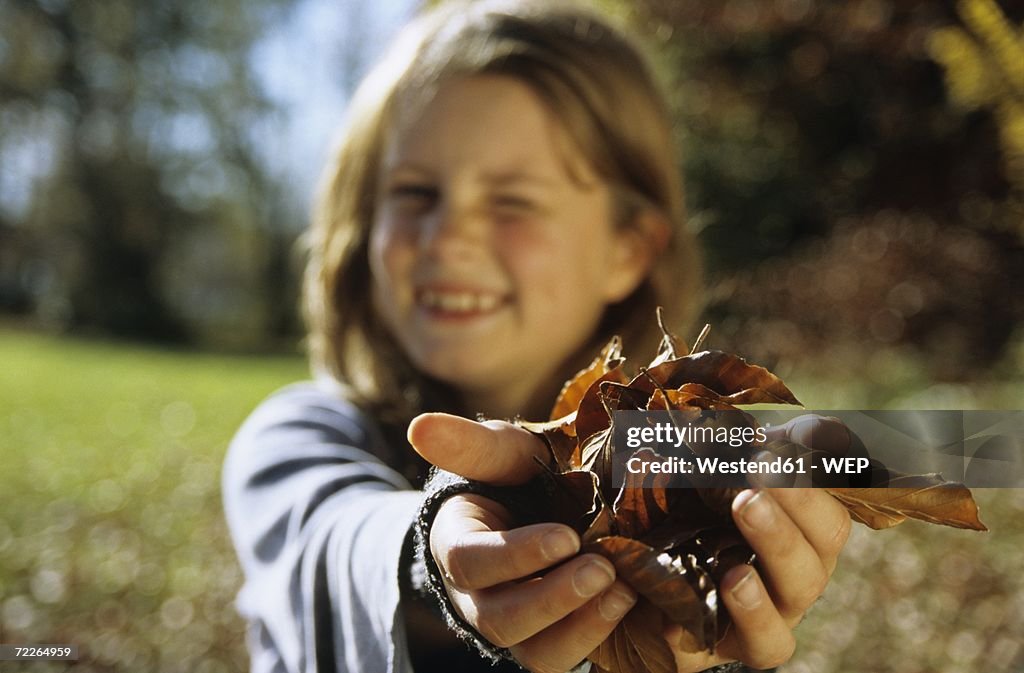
504 199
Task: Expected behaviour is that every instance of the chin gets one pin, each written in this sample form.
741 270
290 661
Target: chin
461 375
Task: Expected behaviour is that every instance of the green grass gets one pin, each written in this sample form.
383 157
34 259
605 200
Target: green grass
111 532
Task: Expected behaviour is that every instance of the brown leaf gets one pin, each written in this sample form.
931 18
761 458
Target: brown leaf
607 394
927 497
636 644
671 346
560 436
573 391
567 497
600 527
617 653
596 456
673 545
679 400
643 501
675 584
724 373
688 516
862 512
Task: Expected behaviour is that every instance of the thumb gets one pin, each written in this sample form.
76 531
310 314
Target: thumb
494 452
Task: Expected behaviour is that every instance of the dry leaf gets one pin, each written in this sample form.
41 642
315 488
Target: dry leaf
674 545
926 497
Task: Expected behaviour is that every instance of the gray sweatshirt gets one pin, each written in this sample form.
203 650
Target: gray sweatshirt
318 520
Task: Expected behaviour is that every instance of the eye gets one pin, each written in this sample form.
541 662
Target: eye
414 196
513 205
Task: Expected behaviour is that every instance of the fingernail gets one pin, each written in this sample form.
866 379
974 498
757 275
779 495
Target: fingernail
559 544
757 512
592 578
615 603
747 593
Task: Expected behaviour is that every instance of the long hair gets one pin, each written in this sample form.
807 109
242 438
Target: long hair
595 81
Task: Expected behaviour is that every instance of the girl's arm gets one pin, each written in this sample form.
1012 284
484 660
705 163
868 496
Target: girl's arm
319 523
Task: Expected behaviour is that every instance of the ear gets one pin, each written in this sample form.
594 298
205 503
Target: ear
637 246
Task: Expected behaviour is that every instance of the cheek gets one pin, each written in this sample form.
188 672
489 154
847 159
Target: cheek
390 265
389 253
554 273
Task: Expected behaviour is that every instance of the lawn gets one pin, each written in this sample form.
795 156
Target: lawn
112 538
111 533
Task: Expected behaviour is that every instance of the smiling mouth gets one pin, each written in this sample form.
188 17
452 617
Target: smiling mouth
457 303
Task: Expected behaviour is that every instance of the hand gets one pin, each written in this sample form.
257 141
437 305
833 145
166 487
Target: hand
549 622
797 534
492 571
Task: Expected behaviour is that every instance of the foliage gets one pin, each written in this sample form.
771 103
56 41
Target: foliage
847 207
134 194
984 67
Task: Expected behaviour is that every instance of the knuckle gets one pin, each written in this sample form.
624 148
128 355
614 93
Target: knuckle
842 533
812 590
779 653
801 498
525 558
551 605
451 559
786 544
492 624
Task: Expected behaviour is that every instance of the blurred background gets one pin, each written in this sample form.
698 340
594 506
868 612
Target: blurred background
855 170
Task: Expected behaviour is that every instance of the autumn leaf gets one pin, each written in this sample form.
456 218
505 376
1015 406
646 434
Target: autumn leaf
672 542
927 497
643 501
673 583
572 393
636 644
723 373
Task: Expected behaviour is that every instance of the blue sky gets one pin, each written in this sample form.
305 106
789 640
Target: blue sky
309 64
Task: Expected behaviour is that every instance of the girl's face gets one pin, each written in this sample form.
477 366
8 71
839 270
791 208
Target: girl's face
493 251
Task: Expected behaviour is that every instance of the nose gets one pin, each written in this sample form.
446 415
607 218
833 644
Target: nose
453 229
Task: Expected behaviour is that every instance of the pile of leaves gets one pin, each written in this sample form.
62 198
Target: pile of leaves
673 545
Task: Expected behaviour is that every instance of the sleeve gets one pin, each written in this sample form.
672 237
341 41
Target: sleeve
319 523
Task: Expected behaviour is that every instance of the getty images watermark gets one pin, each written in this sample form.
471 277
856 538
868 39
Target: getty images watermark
736 448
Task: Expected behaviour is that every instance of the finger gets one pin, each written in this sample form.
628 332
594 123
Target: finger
494 452
566 643
795 573
760 636
474 551
823 433
509 614
823 520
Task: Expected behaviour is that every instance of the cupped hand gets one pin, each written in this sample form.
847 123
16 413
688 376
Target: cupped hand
523 588
797 534
527 589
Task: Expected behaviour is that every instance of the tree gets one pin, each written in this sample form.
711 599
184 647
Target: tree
126 126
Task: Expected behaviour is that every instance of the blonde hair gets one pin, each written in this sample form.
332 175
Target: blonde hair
600 87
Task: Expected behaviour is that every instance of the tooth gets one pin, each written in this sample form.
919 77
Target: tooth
460 302
450 302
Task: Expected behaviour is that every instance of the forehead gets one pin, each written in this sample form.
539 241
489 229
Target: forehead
488 122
